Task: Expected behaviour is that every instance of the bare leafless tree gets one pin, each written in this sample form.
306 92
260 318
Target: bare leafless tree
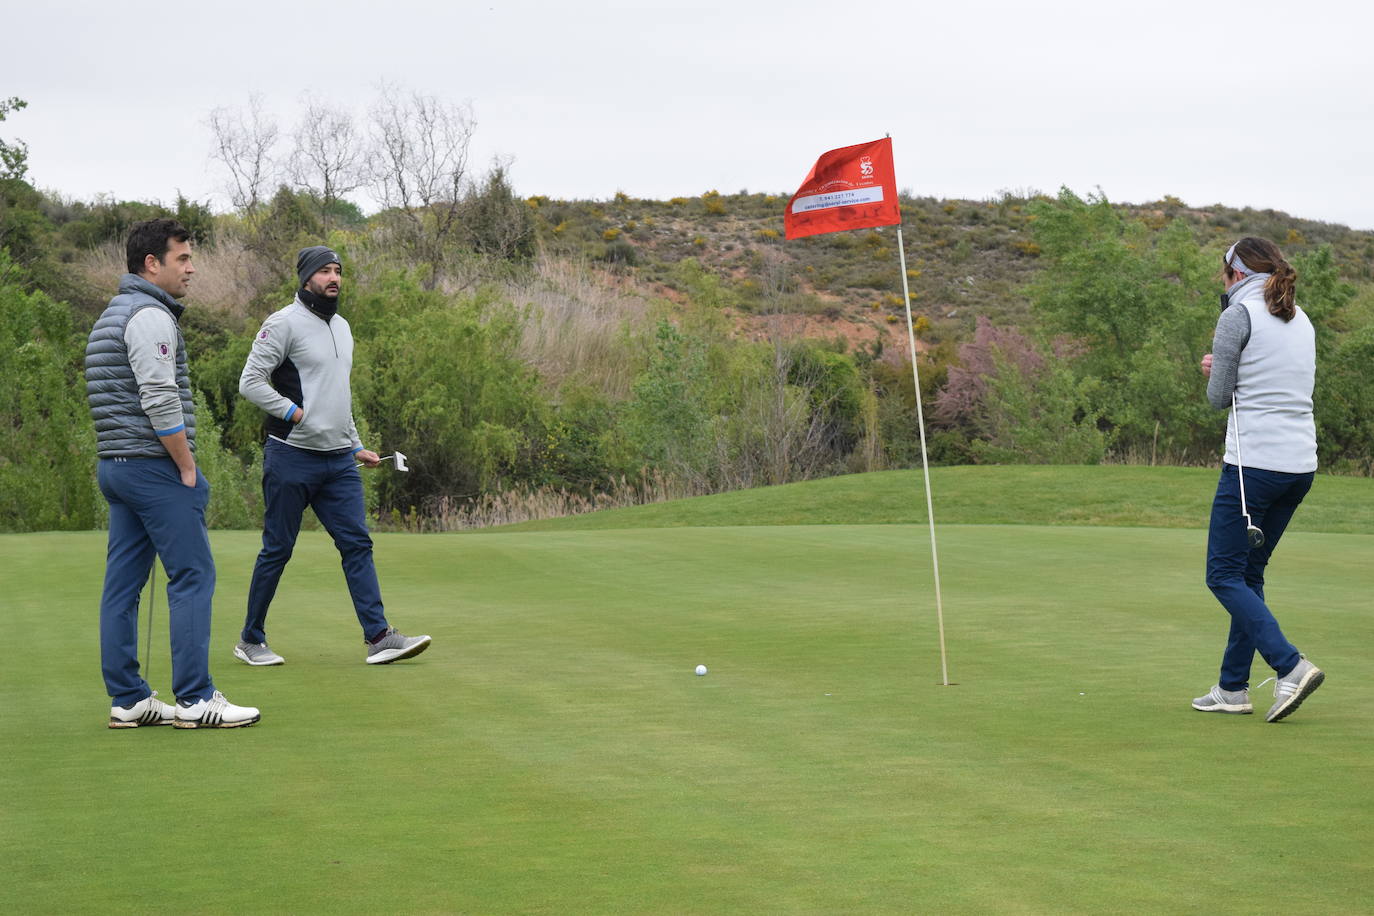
418 168
329 158
246 146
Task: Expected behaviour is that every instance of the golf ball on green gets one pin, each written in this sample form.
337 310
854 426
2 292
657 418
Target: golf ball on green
701 669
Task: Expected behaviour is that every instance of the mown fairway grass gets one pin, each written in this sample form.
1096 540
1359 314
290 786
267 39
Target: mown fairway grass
1098 496
553 751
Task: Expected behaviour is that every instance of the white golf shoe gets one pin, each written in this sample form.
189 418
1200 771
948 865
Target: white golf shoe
147 711
216 712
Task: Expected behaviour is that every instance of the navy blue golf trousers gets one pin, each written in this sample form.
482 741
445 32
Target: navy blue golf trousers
293 478
1235 570
153 514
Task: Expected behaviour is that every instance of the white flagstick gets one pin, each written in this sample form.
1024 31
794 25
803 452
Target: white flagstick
925 465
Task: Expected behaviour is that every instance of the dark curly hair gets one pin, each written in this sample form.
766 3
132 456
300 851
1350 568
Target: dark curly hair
152 237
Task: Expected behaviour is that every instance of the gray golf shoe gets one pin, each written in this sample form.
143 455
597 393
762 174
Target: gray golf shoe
1294 687
257 653
394 646
1218 700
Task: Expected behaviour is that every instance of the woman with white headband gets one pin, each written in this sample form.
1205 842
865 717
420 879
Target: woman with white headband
1262 366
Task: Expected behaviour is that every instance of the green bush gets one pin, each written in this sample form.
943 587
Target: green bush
621 253
500 225
1141 305
235 487
47 441
1044 418
705 288
667 420
1344 400
583 449
441 381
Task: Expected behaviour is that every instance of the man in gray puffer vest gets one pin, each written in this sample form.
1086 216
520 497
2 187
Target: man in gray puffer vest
140 399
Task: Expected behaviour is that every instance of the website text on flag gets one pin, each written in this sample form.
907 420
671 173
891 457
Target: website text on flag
855 187
850 188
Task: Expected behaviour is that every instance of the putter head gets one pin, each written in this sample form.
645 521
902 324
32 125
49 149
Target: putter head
1255 535
402 466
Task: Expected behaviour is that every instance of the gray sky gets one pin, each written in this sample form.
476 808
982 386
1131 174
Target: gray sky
1248 104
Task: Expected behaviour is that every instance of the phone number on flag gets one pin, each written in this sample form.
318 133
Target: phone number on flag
838 199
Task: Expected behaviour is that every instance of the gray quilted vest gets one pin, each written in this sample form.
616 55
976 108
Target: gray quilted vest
122 429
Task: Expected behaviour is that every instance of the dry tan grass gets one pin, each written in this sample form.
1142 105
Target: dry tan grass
514 506
228 275
576 318
100 267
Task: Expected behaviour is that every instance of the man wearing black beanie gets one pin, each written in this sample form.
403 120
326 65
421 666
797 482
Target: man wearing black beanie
298 372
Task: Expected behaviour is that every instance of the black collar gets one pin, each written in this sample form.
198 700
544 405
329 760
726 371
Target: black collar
323 306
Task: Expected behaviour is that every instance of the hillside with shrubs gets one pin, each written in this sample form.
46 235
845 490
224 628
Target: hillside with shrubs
535 356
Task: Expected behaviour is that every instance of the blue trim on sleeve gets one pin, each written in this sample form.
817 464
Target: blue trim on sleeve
356 450
291 412
170 432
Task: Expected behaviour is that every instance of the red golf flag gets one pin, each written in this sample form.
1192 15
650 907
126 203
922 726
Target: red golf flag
849 188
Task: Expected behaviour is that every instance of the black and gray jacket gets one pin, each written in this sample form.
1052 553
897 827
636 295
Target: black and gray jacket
301 359
136 379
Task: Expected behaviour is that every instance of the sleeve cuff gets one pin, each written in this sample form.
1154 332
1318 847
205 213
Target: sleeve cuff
170 432
290 412
357 450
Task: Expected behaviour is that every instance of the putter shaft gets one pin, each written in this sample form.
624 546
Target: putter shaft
1252 533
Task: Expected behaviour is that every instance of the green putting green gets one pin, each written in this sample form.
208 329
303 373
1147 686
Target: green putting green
554 752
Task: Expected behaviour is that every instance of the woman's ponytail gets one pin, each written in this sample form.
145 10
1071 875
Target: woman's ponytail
1278 290
1263 256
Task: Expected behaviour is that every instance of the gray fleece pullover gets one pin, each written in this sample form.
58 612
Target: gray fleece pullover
302 361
